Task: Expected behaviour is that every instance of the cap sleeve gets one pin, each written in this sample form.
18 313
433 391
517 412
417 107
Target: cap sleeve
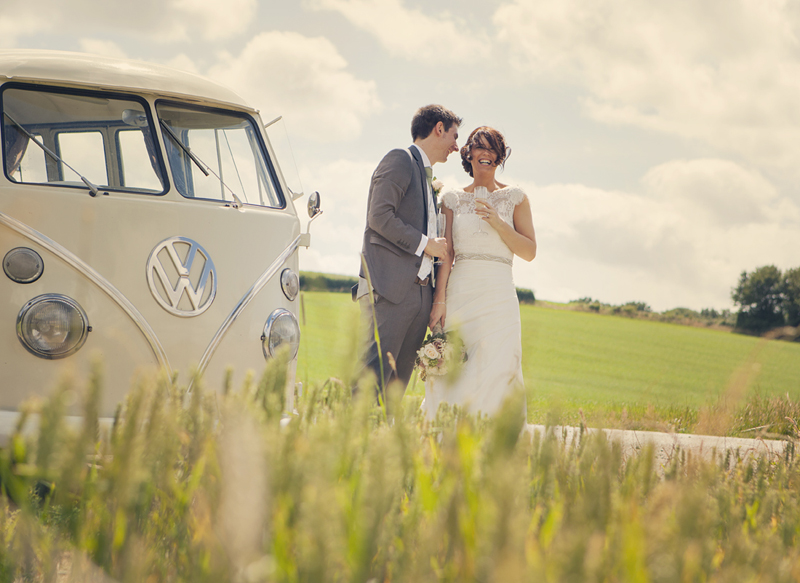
450 199
517 195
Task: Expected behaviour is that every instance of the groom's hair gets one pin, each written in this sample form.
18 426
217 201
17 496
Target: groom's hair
428 116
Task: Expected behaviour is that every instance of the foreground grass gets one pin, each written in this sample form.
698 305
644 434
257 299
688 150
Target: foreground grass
217 491
616 372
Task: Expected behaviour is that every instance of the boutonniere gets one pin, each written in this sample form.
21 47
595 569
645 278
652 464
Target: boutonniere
436 185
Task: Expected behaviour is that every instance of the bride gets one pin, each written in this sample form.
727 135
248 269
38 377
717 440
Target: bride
487 223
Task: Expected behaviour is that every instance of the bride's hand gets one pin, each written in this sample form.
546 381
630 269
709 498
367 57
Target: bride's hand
438 312
487 212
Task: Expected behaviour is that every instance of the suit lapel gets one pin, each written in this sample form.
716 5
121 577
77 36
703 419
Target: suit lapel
424 182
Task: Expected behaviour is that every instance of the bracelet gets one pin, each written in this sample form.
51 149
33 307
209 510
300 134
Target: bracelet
438 303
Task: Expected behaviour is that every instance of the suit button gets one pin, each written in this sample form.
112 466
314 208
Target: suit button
417 264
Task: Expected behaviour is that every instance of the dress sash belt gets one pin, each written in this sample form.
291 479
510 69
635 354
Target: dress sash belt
483 257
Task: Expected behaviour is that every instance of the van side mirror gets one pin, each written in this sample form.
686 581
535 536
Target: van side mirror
313 205
134 117
313 212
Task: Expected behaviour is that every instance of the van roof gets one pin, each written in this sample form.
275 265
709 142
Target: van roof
81 70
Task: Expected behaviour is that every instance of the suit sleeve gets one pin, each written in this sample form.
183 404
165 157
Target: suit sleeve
390 182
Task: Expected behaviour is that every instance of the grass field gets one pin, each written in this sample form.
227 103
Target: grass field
208 487
215 488
609 367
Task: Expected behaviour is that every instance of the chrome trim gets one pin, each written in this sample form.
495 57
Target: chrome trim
73 261
51 298
174 293
246 299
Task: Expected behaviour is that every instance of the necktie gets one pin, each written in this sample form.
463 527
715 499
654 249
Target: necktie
431 207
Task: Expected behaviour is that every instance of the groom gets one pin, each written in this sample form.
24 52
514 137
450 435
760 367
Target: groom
400 242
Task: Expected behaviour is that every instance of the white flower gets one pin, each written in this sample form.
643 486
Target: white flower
431 352
437 185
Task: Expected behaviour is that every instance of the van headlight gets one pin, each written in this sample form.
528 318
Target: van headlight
290 284
52 326
281 330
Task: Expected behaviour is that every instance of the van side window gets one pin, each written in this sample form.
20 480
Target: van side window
32 167
216 154
103 137
84 151
136 151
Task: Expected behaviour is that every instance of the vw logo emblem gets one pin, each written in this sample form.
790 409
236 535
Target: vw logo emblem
182 277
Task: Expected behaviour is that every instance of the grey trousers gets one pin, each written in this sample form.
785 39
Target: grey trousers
401 328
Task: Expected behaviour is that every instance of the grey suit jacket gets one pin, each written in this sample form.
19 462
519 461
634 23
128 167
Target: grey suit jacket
397 217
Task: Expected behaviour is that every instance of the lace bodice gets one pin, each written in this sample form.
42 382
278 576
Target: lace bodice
467 239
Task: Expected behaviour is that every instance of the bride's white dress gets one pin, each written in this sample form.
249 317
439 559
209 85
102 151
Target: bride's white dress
482 306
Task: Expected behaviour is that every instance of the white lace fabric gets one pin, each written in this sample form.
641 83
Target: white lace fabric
467 240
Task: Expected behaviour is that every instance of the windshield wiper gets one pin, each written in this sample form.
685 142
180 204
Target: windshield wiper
204 168
93 189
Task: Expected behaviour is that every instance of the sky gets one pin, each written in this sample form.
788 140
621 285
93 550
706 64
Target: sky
658 142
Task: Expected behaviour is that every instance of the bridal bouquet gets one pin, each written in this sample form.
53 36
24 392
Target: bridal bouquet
436 353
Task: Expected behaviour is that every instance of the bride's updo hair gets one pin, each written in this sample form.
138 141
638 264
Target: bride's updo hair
484 136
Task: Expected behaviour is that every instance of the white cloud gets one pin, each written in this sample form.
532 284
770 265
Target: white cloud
164 21
214 19
305 79
183 62
727 73
722 191
409 33
337 235
105 48
685 243
15 22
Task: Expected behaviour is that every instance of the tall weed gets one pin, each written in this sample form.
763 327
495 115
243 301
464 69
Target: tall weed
198 486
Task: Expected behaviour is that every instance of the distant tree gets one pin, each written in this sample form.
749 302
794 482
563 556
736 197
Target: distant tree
525 296
760 299
790 286
312 281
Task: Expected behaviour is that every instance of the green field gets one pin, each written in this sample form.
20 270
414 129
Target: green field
217 488
577 360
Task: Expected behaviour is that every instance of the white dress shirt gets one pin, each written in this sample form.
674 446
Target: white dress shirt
427 260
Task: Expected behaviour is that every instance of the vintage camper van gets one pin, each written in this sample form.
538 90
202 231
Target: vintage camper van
143 218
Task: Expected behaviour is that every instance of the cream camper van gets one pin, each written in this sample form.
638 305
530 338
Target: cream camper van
143 218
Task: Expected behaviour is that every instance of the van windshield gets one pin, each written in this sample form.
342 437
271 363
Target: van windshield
224 143
106 139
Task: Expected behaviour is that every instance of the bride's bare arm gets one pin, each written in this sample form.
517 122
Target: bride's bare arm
520 238
438 310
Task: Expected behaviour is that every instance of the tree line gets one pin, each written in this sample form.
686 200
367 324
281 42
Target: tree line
767 299
312 281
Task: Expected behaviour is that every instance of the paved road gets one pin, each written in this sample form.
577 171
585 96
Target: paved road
667 445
